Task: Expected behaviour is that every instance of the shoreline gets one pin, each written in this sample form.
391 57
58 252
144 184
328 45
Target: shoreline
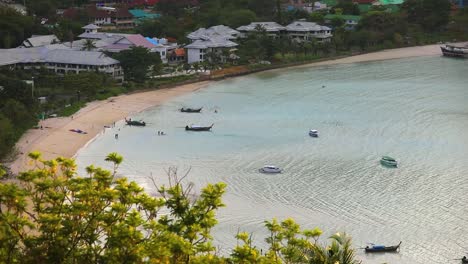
56 139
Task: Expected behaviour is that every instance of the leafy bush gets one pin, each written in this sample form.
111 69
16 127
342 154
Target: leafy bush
55 216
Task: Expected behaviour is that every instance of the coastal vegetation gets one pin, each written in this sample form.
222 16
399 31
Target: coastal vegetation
53 215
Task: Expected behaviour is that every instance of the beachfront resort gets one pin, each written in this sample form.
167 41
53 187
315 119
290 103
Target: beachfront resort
185 131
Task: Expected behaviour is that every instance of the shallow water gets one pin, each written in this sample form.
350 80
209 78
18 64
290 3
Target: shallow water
415 110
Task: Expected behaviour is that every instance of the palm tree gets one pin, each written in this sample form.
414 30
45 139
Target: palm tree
340 251
88 45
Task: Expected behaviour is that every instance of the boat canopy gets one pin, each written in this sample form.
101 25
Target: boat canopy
388 158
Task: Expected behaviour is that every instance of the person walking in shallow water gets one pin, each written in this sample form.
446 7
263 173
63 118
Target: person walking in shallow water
116 136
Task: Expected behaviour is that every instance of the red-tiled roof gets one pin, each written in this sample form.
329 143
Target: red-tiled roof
171 39
70 13
179 52
93 12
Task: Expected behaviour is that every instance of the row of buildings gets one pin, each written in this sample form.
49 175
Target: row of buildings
108 17
218 39
87 53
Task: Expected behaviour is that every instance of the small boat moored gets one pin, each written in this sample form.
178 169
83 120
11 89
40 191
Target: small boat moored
135 123
191 110
270 169
198 128
388 161
381 248
313 133
455 51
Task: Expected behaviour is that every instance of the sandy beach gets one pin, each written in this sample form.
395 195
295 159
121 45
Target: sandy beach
56 139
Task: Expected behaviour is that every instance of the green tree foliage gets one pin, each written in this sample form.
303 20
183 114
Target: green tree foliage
459 23
137 62
67 30
17 110
257 46
347 7
265 9
164 26
88 45
18 114
53 215
14 27
88 83
7 135
239 17
382 26
293 15
174 8
430 14
317 17
42 8
14 88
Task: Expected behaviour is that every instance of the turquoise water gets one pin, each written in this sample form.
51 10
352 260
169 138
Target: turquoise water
415 110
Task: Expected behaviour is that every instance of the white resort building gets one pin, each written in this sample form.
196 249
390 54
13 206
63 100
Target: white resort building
215 40
219 31
59 60
306 31
198 50
273 29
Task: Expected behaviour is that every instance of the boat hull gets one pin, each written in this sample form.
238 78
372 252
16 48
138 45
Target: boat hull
389 164
269 171
135 123
382 249
198 129
453 53
190 110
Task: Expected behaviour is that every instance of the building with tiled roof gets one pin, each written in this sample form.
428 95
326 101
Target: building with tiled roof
104 17
215 32
305 31
122 18
40 40
197 50
215 39
273 29
177 56
61 60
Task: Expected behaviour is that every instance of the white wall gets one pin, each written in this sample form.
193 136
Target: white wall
193 55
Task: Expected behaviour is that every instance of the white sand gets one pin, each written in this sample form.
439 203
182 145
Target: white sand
56 139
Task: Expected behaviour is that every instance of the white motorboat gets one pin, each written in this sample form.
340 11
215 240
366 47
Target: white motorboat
313 133
270 169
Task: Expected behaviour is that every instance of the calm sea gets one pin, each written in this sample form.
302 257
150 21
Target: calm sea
415 110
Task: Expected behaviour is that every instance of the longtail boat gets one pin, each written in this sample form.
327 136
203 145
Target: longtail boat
454 51
191 110
381 248
198 128
135 123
